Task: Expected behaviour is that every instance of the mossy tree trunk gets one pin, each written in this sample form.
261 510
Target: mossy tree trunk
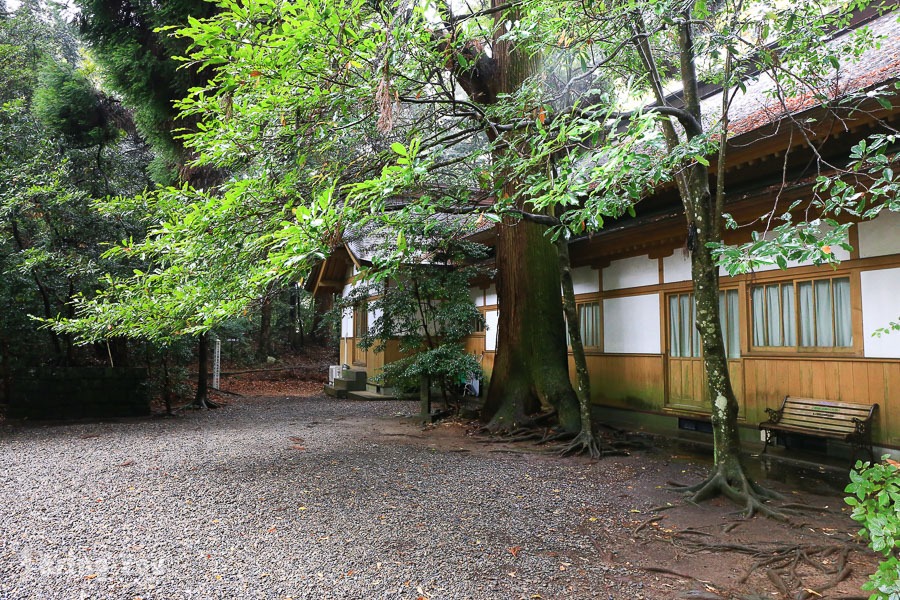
703 211
584 442
531 372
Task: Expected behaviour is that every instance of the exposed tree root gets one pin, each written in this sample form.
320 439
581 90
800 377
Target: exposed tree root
581 443
200 404
586 443
742 490
784 565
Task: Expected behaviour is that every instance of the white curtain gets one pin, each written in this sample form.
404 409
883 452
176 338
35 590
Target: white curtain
824 324
842 325
685 320
759 315
695 335
807 314
674 327
773 316
733 336
788 315
589 317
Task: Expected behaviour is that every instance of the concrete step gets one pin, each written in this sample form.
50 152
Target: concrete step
350 385
332 391
365 395
355 375
379 389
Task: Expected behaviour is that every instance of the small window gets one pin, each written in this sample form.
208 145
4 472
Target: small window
684 339
589 325
478 324
806 314
360 321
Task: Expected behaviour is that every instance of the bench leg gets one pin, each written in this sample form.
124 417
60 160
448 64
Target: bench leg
768 440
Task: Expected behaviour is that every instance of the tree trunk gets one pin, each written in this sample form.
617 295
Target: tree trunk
295 329
531 370
201 399
584 442
264 340
729 476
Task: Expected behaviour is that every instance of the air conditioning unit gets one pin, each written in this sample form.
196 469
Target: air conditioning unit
334 372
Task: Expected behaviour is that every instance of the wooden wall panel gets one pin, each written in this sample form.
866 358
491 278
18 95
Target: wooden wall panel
768 380
687 385
634 381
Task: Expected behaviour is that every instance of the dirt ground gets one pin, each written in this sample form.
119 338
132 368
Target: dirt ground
683 550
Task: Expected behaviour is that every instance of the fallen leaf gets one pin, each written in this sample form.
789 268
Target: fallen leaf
91 576
515 551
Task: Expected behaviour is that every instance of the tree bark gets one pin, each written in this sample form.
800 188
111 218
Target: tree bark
264 340
729 476
295 329
531 370
585 440
201 399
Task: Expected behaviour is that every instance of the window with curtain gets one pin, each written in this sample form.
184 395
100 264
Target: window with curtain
589 324
684 339
806 314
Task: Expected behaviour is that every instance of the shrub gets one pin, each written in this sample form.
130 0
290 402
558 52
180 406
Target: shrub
876 504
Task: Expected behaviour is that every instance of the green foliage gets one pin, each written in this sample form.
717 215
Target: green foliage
422 302
139 62
66 103
875 500
53 239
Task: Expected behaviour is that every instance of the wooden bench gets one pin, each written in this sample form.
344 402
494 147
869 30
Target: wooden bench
845 421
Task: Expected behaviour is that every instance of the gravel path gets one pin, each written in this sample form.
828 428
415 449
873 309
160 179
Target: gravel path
302 498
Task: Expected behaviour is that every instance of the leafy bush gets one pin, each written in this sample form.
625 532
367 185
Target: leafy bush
876 504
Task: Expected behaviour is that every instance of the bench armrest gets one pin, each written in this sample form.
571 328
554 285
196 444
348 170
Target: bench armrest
774 415
862 426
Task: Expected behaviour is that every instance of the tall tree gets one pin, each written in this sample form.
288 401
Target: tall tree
129 39
531 368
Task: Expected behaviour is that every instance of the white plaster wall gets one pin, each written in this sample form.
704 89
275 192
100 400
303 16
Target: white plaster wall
347 323
477 296
880 236
631 272
880 290
490 333
677 267
490 295
631 324
585 280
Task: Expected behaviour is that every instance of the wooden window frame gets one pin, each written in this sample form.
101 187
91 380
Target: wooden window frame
667 348
598 326
360 318
856 349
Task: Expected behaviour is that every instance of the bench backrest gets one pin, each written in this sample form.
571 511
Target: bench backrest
824 415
